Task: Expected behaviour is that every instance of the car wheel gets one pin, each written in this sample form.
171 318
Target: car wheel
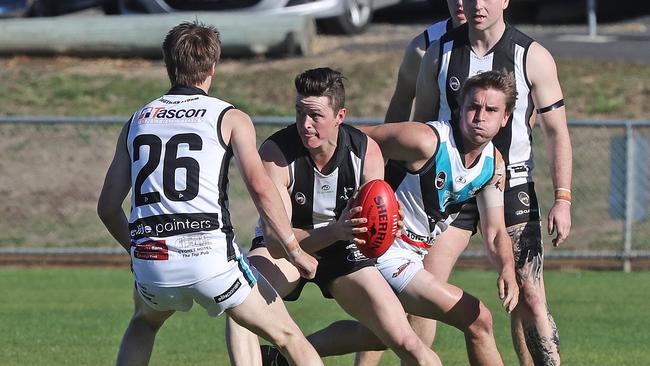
355 19
111 7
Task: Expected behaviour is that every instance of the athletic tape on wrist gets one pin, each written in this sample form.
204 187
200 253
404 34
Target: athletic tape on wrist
294 253
556 105
563 200
563 194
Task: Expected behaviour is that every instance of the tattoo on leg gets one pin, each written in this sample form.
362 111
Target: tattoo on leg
540 348
528 251
555 336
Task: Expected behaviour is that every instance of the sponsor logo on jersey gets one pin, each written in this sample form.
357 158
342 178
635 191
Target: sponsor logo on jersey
461 180
524 198
454 83
300 198
326 189
173 224
170 113
440 181
152 250
229 292
167 101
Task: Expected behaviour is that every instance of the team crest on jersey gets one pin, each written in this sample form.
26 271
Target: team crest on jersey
300 198
454 83
441 179
524 198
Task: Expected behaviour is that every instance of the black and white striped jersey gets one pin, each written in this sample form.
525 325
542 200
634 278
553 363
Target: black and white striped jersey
319 197
179 224
435 31
457 62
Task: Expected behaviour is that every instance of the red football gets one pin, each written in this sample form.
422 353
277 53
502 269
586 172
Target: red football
381 209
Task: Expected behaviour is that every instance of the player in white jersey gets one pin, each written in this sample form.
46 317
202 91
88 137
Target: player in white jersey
399 108
487 42
174 155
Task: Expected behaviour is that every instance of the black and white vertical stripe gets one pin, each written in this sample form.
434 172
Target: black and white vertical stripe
457 62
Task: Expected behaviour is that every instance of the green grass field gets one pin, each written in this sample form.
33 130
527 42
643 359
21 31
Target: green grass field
77 317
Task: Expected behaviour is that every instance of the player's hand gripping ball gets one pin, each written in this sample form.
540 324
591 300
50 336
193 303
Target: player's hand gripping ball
381 208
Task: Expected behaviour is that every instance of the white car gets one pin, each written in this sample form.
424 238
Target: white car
332 16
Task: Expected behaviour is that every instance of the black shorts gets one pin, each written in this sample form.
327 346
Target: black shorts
520 205
339 259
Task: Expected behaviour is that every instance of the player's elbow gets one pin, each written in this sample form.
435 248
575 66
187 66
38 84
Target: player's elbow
105 209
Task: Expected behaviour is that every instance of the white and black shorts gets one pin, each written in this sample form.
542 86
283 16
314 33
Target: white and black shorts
399 265
215 294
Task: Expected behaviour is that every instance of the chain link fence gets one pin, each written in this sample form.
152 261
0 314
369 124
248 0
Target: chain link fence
52 170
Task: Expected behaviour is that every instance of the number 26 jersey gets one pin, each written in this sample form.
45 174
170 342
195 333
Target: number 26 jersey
179 224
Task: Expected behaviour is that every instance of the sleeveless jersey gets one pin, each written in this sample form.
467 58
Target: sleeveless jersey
432 196
457 62
179 225
435 31
319 197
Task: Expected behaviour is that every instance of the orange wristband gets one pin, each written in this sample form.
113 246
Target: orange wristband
563 194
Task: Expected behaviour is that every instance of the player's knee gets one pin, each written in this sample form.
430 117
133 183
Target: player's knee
532 297
143 320
482 326
286 337
407 342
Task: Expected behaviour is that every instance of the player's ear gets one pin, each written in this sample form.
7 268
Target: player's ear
506 117
340 115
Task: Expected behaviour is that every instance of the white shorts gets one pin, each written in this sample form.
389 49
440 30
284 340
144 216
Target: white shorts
399 266
215 294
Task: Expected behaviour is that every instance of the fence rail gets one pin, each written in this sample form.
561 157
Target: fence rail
610 188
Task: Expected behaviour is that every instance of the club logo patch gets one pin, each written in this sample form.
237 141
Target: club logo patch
300 198
441 179
524 198
454 83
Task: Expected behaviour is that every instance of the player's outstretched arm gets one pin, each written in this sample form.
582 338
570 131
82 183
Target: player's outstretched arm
547 95
401 103
496 238
412 142
238 128
427 95
116 186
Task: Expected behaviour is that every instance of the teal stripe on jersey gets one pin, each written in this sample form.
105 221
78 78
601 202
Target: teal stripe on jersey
469 190
246 270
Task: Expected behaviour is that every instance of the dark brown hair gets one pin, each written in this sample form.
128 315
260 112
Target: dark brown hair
190 50
322 82
502 81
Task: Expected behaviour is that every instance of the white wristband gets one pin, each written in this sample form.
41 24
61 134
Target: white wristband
289 239
294 253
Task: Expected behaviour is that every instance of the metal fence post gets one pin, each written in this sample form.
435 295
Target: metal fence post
591 15
629 196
